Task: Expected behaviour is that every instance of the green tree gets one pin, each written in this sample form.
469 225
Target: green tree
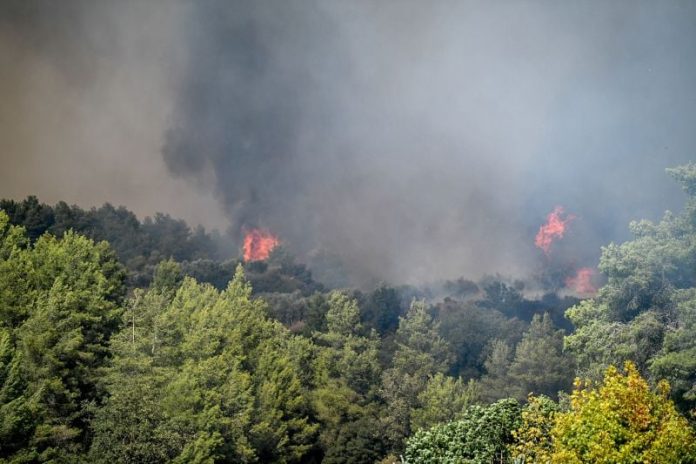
539 365
420 354
496 383
481 436
221 381
35 217
642 314
55 338
348 373
469 330
131 426
139 246
677 358
382 309
444 399
16 291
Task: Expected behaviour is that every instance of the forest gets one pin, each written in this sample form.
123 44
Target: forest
124 341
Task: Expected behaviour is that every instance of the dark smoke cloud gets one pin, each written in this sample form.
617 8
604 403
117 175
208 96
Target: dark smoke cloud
253 92
417 140
421 140
86 90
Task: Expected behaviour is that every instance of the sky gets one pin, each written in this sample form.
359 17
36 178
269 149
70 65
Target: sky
413 140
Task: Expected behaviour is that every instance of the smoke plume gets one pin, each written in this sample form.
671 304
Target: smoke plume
414 140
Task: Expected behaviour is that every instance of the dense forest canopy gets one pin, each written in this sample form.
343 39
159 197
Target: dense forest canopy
129 341
367 231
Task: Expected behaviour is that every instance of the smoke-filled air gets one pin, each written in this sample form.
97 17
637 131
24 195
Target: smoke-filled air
410 141
347 231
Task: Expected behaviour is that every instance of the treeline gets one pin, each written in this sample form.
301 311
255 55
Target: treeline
140 246
259 363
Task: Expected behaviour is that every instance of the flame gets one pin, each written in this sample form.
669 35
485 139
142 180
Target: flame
258 244
581 283
554 228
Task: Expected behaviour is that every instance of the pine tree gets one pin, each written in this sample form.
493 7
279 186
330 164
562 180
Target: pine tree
348 371
420 354
61 304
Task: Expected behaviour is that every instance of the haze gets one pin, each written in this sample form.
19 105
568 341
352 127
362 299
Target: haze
414 140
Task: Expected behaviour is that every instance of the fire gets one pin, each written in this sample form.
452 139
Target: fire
581 283
554 228
258 244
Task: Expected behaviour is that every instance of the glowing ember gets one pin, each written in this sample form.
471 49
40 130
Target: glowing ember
554 228
258 244
581 283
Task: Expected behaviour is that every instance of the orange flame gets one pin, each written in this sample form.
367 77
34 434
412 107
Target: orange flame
581 283
554 228
258 244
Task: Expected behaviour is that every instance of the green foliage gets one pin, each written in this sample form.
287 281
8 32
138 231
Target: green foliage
444 399
139 245
280 274
421 350
643 312
301 314
532 441
347 370
686 176
382 309
622 421
501 296
205 270
265 366
218 380
420 354
496 383
131 426
167 277
481 436
34 217
343 316
538 366
60 305
676 360
469 329
15 266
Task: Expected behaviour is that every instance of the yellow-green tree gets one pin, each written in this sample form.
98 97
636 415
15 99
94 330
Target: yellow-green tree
533 441
622 421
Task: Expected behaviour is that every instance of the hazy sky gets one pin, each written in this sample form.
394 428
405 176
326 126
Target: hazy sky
415 139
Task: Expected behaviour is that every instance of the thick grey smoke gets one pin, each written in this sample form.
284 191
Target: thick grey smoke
416 140
86 91
422 139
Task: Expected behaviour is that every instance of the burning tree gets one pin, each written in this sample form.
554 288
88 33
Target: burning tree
258 244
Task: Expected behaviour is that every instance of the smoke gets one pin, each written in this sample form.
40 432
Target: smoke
87 89
415 140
